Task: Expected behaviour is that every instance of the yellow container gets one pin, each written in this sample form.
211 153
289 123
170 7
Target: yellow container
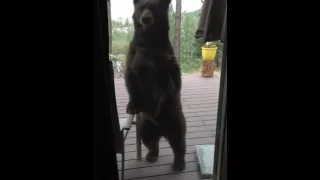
209 53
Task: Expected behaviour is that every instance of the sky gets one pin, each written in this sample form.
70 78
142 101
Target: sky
119 10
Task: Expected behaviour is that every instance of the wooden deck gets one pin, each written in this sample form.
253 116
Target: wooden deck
200 103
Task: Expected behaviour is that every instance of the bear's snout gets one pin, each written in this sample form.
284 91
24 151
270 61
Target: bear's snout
146 18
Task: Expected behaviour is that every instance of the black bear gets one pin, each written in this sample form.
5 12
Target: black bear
153 81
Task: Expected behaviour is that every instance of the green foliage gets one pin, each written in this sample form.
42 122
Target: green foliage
122 33
195 13
190 48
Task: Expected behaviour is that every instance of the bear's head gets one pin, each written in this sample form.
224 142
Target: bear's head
151 16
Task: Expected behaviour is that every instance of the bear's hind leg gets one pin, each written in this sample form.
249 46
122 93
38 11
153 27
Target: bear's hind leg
150 136
177 140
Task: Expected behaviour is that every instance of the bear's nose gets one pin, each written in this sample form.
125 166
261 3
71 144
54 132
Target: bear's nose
146 20
146 17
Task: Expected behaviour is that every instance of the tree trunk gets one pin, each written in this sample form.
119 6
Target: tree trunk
109 26
177 29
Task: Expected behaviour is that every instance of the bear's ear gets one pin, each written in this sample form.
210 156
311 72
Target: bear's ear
135 1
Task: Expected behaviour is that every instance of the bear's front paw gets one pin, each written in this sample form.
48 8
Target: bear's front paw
151 157
131 109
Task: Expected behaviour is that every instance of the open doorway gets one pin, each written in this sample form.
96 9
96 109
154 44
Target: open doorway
200 96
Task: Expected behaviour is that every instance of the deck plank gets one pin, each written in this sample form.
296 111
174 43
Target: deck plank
163 152
162 160
194 135
179 176
199 97
132 134
156 171
189 124
165 144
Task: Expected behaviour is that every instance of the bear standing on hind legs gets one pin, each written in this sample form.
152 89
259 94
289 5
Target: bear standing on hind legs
153 81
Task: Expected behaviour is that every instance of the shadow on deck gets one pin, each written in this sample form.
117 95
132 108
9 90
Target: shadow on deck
200 103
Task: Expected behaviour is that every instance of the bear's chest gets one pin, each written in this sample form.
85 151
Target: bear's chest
152 73
150 68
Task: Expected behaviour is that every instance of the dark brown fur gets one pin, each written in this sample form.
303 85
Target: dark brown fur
153 81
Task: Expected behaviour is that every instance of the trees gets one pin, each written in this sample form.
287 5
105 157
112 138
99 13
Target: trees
109 26
126 22
190 48
177 29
